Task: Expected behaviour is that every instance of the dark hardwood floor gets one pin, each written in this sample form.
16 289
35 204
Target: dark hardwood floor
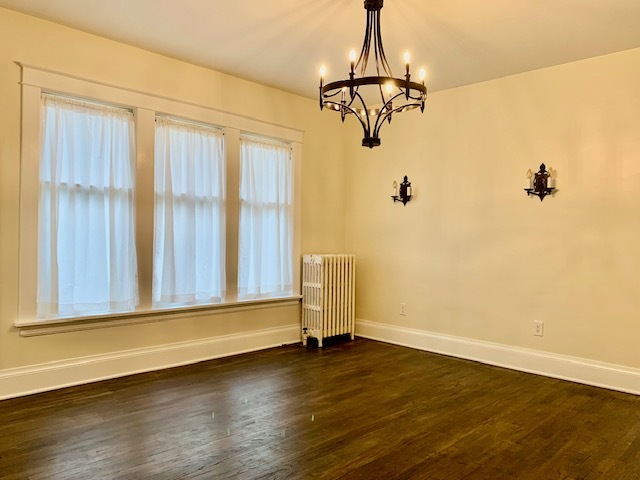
353 410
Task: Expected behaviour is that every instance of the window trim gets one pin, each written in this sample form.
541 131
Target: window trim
146 107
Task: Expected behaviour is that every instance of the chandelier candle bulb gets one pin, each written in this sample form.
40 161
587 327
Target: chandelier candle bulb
529 179
352 59
395 188
422 75
323 72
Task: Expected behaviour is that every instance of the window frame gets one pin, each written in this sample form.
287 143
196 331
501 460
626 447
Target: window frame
146 107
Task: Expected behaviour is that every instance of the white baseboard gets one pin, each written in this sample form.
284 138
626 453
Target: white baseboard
580 370
20 381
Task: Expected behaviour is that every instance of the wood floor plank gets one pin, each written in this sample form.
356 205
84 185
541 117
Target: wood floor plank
353 410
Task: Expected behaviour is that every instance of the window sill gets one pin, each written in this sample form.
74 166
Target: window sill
75 324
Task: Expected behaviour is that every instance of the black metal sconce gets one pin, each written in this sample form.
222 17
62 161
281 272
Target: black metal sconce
404 195
541 183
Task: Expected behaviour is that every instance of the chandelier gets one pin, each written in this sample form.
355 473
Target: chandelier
395 94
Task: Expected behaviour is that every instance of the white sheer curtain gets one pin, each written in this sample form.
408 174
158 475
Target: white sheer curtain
189 239
266 219
86 245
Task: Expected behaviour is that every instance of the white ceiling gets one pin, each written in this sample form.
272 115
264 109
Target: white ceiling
282 43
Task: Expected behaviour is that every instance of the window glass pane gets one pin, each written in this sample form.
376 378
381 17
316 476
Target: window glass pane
86 246
189 239
265 265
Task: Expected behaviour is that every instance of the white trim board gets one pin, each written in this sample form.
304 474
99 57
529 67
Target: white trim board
67 83
574 369
15 382
75 324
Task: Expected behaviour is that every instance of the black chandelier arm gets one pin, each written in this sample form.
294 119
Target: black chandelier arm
420 87
365 126
366 45
379 49
359 97
354 95
381 118
325 96
418 97
388 109
330 95
376 36
381 93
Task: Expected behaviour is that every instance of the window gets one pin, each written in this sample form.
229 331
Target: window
266 219
189 239
86 245
129 215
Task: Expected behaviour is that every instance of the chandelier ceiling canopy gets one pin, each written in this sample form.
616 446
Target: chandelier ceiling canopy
395 94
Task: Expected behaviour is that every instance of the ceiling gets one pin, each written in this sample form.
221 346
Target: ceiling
282 43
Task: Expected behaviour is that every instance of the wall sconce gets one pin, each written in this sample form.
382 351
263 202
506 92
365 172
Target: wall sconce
541 183
405 191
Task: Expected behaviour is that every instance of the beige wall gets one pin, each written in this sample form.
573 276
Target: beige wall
44 44
471 255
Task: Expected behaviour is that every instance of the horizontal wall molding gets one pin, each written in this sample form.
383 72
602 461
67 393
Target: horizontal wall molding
21 381
574 369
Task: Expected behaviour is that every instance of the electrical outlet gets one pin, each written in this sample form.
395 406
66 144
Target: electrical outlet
403 309
537 328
